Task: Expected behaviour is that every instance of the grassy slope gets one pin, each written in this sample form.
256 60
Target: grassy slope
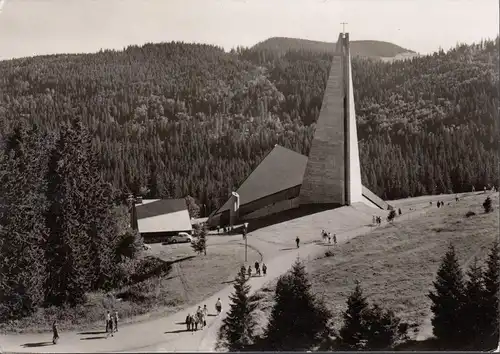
187 283
361 48
397 264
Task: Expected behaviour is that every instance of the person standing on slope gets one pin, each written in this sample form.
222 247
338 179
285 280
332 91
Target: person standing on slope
55 333
218 306
297 241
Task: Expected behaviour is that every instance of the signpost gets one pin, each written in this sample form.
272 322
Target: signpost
245 238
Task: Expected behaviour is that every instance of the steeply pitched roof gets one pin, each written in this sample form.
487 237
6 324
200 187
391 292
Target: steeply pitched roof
281 169
157 207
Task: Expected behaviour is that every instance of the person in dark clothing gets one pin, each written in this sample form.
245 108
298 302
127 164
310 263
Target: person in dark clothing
55 336
108 320
264 268
297 241
257 268
115 320
249 271
111 328
399 211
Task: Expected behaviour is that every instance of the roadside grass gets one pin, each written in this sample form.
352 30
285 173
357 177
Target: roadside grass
396 264
168 287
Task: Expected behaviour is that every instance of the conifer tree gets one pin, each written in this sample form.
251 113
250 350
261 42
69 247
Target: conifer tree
354 331
199 244
490 296
237 330
385 329
298 320
66 243
22 229
472 318
447 300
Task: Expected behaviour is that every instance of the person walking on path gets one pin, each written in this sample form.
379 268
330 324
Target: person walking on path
257 268
108 321
55 333
249 272
111 329
115 320
297 241
264 268
335 239
205 314
218 306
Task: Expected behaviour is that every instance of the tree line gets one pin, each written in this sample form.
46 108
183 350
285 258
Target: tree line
464 310
63 230
174 119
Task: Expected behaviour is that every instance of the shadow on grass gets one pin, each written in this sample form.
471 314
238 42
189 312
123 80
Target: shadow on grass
34 345
93 338
288 249
90 333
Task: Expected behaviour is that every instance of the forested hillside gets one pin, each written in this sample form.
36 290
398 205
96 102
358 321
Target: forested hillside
189 119
370 49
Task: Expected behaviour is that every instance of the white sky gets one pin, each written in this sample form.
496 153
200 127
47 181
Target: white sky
32 27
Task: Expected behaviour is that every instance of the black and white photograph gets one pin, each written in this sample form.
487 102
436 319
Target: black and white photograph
249 175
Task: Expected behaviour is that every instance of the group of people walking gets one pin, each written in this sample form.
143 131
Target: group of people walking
327 236
257 269
200 316
111 323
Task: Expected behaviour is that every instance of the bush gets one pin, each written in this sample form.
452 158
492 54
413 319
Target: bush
391 216
487 205
469 214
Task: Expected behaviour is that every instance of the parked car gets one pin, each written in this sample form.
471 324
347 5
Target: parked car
181 237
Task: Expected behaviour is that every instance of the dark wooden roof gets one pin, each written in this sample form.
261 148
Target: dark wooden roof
160 207
281 169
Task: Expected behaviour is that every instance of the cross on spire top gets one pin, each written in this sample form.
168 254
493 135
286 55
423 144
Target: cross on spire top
343 26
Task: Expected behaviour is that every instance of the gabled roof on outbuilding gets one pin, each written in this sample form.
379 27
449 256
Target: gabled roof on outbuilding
163 215
154 207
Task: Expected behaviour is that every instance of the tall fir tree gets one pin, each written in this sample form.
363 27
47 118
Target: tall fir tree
490 296
22 229
353 333
237 330
66 248
298 319
385 329
473 315
447 301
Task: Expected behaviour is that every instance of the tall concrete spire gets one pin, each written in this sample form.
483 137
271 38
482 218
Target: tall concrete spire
333 174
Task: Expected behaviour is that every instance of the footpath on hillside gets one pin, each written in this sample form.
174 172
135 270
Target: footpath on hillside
169 333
